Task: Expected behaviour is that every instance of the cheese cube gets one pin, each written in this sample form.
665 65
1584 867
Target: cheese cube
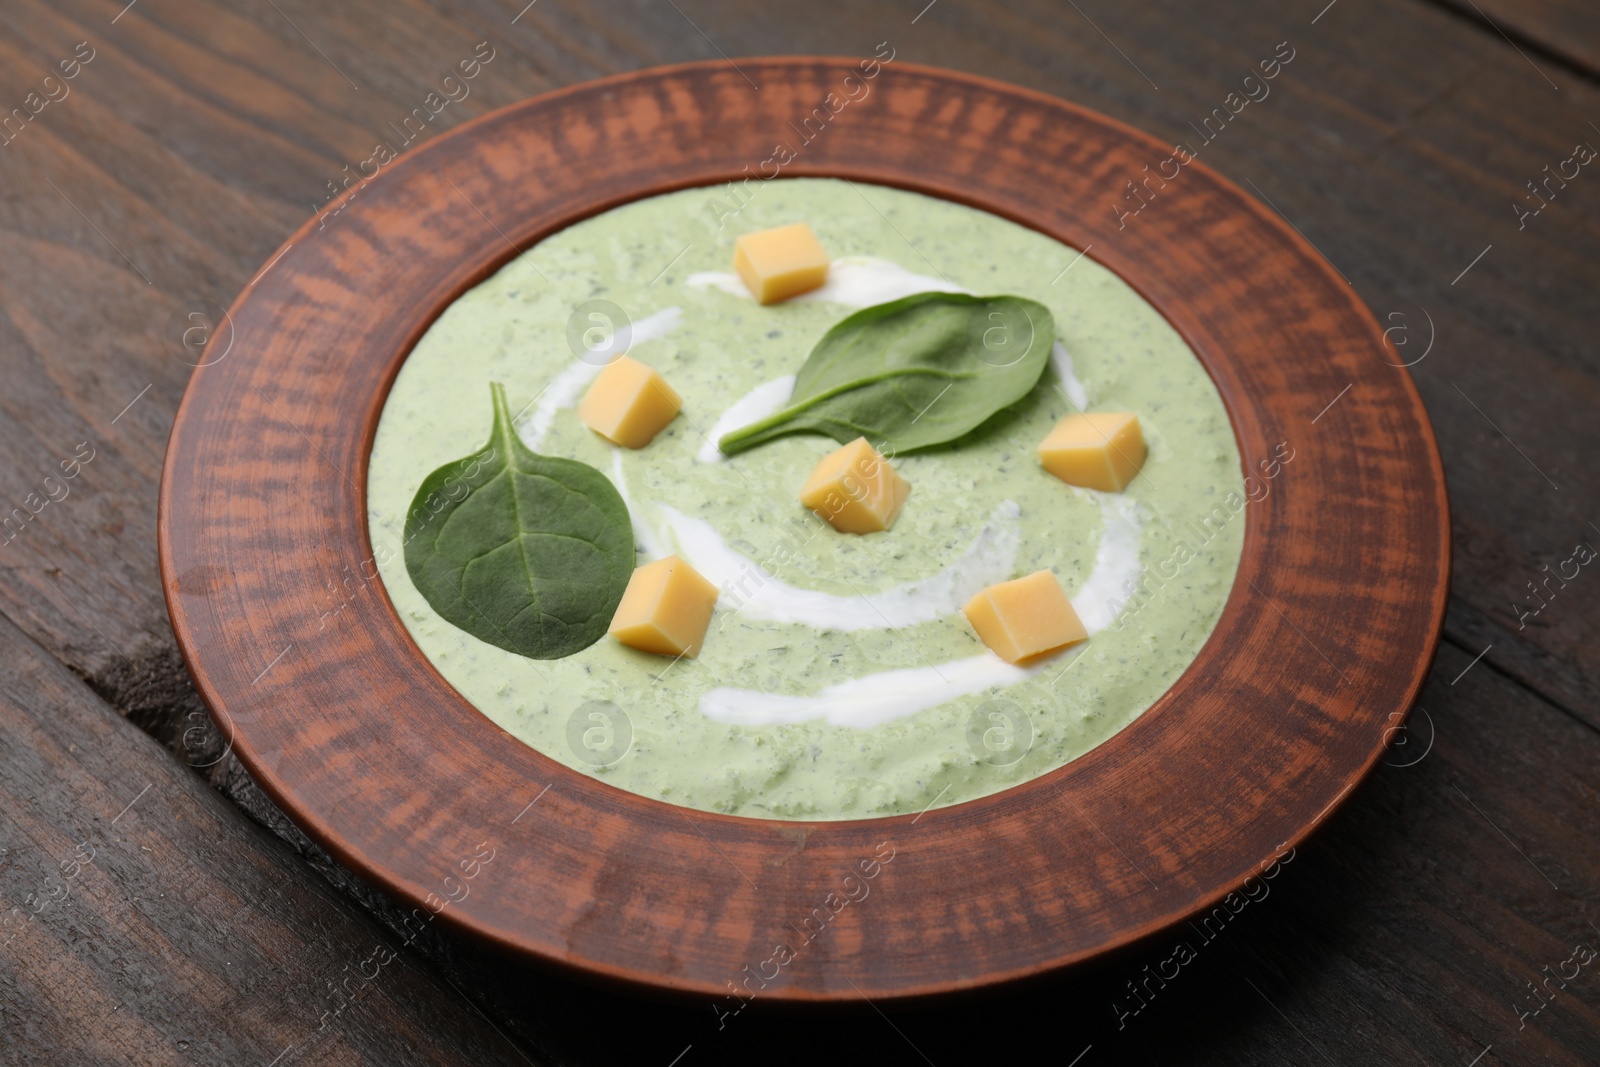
1102 450
1025 618
629 403
855 489
666 609
782 262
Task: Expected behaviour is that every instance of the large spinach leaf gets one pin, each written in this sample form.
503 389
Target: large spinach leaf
530 553
913 373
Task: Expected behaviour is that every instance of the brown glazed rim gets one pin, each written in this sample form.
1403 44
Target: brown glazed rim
1321 649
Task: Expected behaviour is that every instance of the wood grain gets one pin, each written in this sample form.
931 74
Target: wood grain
355 734
134 899
1390 147
1548 33
1397 140
1405 932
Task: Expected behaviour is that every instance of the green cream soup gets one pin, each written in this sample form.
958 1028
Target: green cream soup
839 678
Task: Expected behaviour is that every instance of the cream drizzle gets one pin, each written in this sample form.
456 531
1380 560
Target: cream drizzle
880 697
765 399
1062 362
874 699
756 593
567 387
870 700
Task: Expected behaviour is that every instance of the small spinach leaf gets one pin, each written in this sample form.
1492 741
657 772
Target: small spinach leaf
913 373
530 553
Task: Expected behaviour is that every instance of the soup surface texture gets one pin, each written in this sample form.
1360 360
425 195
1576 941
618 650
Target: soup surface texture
839 678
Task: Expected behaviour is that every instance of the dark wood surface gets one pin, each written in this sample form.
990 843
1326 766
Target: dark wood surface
1557 39
1397 141
356 735
146 922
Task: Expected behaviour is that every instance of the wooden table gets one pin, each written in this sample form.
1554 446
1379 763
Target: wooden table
158 912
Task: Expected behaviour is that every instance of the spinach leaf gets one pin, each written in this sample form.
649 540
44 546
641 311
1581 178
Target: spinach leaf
530 553
913 373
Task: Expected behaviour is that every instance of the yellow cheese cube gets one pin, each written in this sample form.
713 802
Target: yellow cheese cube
855 489
1025 618
782 262
666 609
629 403
1103 450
